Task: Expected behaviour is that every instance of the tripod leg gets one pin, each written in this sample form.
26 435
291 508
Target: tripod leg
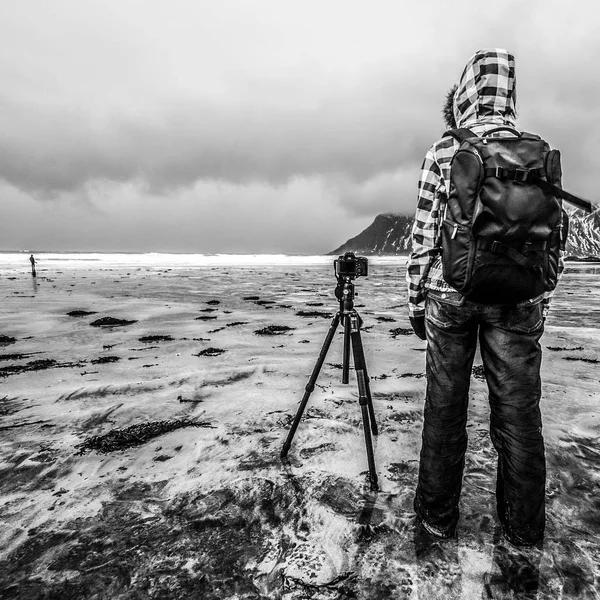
346 351
310 386
361 365
366 404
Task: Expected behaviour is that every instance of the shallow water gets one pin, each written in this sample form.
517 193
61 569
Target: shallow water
213 512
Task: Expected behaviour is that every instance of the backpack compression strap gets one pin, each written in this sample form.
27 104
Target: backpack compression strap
534 177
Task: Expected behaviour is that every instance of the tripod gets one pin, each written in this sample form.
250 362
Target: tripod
352 323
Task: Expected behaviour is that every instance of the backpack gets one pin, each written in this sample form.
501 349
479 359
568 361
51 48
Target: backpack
504 225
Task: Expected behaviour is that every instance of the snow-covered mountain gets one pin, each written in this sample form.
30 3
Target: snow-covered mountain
390 234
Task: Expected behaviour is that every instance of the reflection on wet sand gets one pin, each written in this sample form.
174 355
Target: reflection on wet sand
208 510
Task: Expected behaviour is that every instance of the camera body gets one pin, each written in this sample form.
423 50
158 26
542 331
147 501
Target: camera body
351 266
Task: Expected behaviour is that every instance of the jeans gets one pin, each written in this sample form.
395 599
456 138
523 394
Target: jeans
509 344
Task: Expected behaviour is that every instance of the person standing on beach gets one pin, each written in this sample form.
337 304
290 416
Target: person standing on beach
509 334
32 261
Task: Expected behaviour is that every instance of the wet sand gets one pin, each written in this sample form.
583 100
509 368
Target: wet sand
140 456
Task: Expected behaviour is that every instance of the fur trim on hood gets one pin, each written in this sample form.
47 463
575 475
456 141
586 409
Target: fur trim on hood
448 109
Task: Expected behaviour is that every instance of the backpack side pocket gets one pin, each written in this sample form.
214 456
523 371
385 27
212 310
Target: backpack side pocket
457 253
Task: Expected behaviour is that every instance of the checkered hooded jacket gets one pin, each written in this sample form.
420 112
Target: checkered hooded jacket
485 98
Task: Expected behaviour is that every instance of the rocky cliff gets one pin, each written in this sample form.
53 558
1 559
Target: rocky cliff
390 234
387 234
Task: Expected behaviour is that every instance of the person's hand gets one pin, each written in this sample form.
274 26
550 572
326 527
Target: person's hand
418 325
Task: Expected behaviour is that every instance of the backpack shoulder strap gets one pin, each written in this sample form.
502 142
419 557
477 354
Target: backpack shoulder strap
460 135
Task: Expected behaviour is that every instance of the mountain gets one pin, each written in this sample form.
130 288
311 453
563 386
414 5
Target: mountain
584 234
387 234
390 234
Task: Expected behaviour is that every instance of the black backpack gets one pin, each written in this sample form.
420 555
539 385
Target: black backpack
504 225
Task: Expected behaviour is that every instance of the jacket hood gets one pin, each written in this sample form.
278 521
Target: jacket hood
487 91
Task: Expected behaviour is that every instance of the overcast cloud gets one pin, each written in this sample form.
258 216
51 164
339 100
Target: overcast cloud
254 125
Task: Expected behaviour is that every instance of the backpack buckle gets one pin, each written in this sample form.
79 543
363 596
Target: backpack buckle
521 175
496 246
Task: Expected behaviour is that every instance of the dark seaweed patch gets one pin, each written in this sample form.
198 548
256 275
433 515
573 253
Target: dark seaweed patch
105 359
13 356
308 452
180 398
273 330
479 372
314 313
559 348
400 331
34 365
7 339
156 338
39 365
111 322
81 313
206 318
386 319
214 302
134 435
251 298
592 361
210 352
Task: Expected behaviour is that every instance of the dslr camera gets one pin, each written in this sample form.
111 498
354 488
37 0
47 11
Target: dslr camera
350 265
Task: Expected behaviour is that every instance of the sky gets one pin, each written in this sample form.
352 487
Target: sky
259 126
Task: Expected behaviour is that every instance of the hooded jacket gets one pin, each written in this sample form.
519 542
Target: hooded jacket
485 98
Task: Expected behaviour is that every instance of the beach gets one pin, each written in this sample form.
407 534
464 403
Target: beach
145 399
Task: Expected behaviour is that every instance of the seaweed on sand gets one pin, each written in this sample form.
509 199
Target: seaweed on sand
592 361
102 360
314 313
134 435
478 372
210 352
156 338
400 331
110 322
273 330
34 365
38 365
14 356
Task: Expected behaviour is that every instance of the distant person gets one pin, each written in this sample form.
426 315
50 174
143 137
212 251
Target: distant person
507 321
32 261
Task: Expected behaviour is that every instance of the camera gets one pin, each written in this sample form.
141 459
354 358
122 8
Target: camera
350 265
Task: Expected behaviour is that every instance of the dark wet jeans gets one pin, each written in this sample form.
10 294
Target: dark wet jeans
509 344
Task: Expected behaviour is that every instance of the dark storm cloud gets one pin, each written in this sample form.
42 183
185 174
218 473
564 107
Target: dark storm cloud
356 135
256 121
